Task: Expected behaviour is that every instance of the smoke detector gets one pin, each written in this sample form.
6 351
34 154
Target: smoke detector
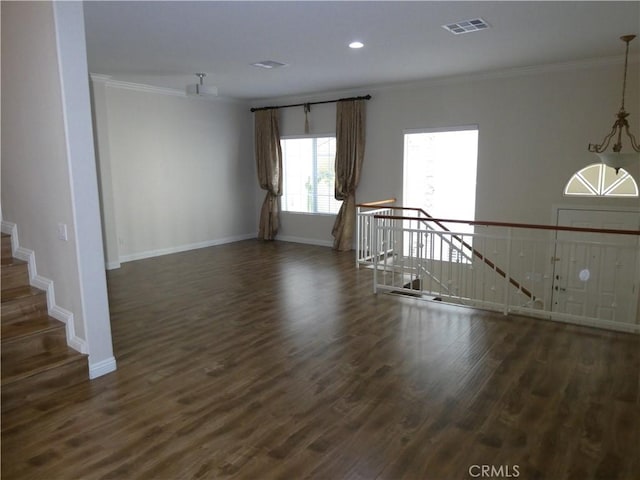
200 89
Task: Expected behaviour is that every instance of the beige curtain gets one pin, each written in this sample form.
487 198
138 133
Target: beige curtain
350 137
269 161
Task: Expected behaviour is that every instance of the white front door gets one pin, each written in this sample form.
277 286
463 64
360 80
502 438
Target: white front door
597 275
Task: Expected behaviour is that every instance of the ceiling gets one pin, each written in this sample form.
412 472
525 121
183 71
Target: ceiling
165 43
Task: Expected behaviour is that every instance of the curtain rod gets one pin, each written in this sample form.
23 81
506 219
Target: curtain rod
366 97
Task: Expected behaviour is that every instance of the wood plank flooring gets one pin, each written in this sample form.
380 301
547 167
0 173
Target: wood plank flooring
274 360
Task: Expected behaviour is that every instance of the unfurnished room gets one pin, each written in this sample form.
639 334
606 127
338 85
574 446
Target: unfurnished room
320 239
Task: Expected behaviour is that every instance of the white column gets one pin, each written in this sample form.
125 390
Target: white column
74 78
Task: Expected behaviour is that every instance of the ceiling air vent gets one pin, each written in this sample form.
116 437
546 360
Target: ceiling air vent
268 64
466 26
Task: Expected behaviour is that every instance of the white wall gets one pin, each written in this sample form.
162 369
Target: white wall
181 170
36 193
105 182
534 128
48 166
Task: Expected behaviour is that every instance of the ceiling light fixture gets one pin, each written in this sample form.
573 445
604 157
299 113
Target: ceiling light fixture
617 159
356 45
200 89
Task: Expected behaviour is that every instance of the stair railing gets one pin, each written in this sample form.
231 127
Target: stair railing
365 212
414 262
455 267
425 217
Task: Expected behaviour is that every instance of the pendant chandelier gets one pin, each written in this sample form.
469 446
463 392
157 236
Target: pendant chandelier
616 158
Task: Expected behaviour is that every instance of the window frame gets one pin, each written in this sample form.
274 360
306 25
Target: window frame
600 190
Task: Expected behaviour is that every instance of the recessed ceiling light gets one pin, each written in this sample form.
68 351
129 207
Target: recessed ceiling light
356 45
466 26
268 64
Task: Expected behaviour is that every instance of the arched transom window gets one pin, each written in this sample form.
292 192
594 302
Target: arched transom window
600 180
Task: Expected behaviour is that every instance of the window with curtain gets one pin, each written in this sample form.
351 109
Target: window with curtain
309 175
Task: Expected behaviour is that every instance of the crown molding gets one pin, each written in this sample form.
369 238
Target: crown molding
514 72
109 81
98 77
452 79
138 87
448 80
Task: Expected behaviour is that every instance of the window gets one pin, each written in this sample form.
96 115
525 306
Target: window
308 165
440 177
600 180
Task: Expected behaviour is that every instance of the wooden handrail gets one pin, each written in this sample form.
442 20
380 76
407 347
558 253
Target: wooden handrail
377 203
532 226
475 252
515 283
440 222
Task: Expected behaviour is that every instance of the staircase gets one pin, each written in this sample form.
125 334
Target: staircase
36 360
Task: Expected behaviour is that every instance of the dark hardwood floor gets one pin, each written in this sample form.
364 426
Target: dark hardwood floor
274 360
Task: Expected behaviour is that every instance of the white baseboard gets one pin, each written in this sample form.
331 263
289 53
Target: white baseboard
306 241
102 367
28 256
10 228
112 265
184 248
7 227
43 283
66 317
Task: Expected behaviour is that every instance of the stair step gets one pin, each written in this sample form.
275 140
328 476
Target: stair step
9 261
19 349
23 303
28 366
6 246
14 274
43 375
415 284
35 359
23 328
